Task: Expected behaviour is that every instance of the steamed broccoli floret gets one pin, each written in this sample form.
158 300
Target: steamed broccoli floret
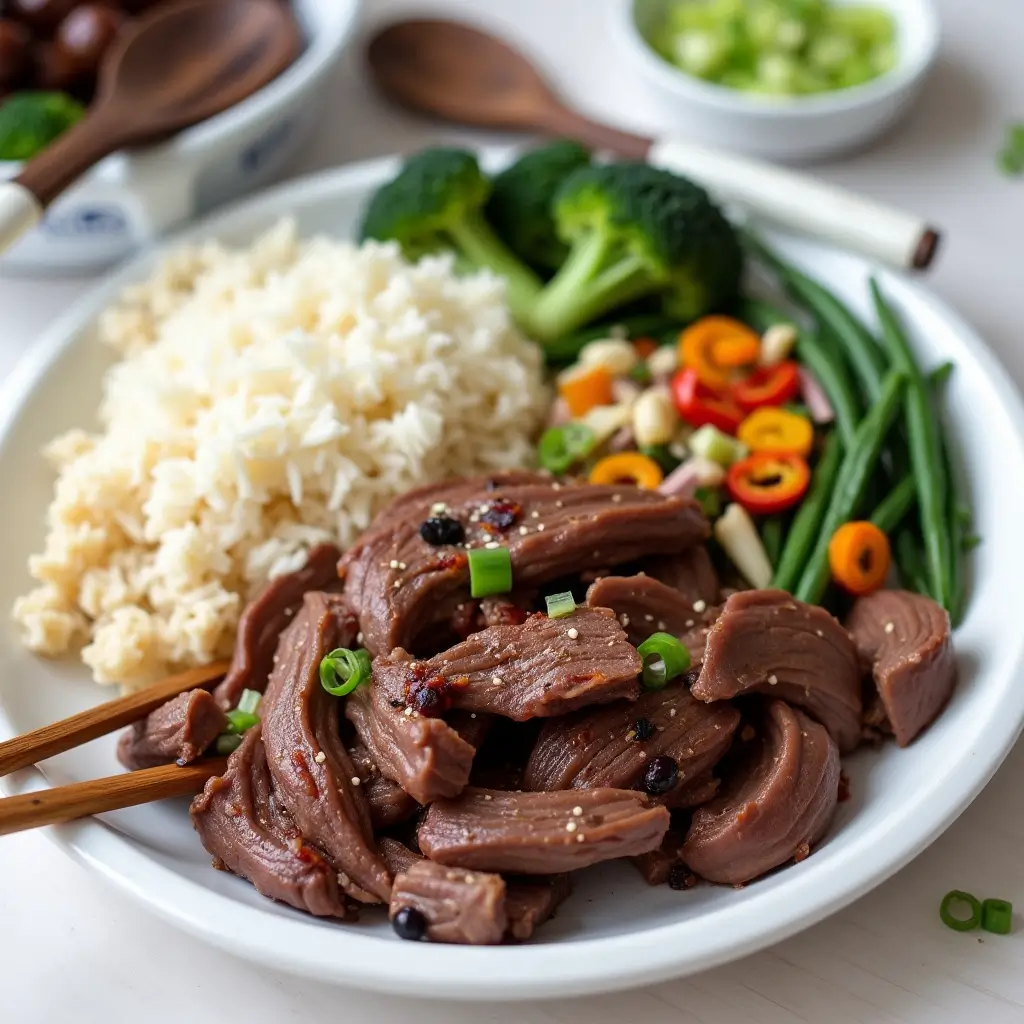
635 231
520 205
436 203
30 121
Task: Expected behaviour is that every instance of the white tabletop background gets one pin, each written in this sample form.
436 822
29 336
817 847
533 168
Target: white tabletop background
73 949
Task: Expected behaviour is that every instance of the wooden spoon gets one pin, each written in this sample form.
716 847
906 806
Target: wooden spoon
178 65
462 74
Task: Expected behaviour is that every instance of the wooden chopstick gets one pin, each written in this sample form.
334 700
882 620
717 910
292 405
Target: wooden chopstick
64 803
42 743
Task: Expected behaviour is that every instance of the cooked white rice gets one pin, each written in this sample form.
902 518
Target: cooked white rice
267 399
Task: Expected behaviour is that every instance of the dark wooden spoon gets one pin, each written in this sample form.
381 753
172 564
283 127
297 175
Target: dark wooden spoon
462 74
177 65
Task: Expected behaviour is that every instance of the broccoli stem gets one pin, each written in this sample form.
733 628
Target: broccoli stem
481 247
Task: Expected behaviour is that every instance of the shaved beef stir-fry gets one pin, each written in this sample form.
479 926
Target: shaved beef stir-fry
444 731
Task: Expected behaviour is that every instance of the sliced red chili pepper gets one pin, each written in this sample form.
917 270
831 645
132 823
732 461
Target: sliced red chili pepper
768 385
766 482
698 404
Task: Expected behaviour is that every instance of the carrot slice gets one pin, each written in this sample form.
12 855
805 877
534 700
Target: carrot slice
718 347
859 556
586 388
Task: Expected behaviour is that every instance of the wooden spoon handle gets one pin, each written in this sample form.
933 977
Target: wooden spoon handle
65 803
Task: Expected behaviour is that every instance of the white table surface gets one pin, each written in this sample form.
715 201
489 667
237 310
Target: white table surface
72 949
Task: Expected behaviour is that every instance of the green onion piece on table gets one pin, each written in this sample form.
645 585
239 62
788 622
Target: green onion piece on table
226 743
239 721
1011 156
250 701
560 606
490 571
562 447
664 658
997 916
960 900
343 670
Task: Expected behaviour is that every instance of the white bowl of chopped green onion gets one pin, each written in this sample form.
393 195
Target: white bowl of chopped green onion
786 79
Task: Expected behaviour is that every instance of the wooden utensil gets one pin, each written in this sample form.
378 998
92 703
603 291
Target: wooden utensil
177 65
460 73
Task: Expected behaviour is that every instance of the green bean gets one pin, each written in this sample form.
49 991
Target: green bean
895 506
772 532
910 563
938 377
807 521
926 457
827 365
867 360
854 477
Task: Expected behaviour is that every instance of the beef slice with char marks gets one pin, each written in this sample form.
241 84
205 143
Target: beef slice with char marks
603 748
242 823
769 642
540 833
312 771
774 808
400 585
543 668
460 906
691 574
389 803
179 730
425 756
905 639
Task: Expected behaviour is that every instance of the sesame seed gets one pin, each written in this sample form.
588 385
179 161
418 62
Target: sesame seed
394 563
819 632
472 714
355 780
624 619
571 826
577 811
574 634
580 837
488 797
359 638
616 497
491 545
535 514
773 679
661 624
648 617
320 758
523 531
890 626
397 584
540 527
407 712
402 565
497 680
699 606
671 712
689 623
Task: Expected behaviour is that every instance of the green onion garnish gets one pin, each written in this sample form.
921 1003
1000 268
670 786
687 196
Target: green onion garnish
343 670
1011 157
960 924
664 658
226 744
710 501
250 701
490 571
997 916
560 605
562 447
239 721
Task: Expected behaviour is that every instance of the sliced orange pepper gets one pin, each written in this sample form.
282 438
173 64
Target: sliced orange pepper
586 388
765 483
644 346
776 430
859 556
717 347
628 468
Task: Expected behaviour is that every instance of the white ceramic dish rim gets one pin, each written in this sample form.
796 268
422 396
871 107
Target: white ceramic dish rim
321 49
791 108
572 967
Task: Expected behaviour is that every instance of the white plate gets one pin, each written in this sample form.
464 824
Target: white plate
615 931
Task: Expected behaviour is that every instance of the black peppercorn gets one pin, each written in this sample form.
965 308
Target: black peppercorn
441 530
428 701
501 515
681 878
691 677
660 775
643 729
409 923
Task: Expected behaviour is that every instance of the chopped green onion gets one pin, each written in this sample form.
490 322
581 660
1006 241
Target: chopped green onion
227 743
1011 157
560 605
343 670
711 443
239 721
957 923
662 455
250 701
710 501
562 447
490 571
641 373
664 658
997 916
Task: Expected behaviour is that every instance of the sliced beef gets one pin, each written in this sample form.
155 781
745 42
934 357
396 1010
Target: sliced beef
693 794
691 573
459 905
769 642
242 823
657 865
540 833
774 808
397 856
312 771
179 731
389 803
265 619
401 585
425 756
544 667
612 746
905 639
529 902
